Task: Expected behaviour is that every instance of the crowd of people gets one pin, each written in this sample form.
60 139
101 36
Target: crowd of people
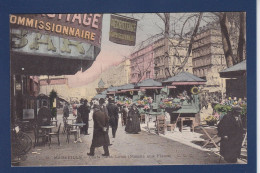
105 116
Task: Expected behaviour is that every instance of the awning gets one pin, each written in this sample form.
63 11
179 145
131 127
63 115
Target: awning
98 96
24 64
151 87
149 83
185 78
188 83
171 86
234 71
126 86
123 91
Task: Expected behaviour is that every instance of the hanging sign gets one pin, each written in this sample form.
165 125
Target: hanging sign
122 30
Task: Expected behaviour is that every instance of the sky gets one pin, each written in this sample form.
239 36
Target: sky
111 53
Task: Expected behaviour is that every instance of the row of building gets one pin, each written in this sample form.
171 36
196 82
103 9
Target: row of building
206 60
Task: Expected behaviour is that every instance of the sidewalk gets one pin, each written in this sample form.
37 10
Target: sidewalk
173 148
192 139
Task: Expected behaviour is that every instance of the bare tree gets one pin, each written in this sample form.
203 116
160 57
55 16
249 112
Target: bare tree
240 22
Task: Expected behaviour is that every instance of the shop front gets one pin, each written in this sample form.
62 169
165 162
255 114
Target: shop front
48 44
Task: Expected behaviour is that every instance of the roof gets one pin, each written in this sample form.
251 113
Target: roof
126 87
112 88
184 77
238 67
149 83
98 96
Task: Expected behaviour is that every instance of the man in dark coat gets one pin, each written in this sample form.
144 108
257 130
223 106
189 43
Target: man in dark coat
231 132
113 116
100 132
44 115
84 111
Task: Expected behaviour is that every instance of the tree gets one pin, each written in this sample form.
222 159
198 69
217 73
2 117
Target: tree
225 20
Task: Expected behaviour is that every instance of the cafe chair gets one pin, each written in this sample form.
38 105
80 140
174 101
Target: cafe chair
71 131
38 134
55 134
65 125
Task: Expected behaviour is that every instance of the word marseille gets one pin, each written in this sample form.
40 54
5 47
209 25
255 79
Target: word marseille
60 29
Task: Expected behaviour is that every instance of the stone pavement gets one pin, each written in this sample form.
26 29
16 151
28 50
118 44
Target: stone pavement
127 149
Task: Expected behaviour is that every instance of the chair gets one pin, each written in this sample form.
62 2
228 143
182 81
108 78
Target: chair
55 134
65 125
70 131
38 133
142 118
160 124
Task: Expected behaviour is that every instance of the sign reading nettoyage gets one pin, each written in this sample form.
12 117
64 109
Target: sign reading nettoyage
122 30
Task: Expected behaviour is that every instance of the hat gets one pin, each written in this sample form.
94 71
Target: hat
236 109
111 100
101 101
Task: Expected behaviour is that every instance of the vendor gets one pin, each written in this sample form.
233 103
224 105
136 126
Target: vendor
231 132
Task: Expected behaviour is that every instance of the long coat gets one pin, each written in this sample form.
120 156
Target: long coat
230 147
113 114
84 111
133 121
100 137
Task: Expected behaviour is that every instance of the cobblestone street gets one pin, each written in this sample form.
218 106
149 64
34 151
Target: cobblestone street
126 149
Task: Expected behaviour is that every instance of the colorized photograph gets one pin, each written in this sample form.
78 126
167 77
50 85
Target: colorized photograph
128 89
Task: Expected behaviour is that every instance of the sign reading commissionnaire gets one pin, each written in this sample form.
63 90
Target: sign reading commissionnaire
122 30
80 27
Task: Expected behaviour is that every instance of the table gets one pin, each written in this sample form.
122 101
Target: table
55 121
77 125
47 130
157 120
181 119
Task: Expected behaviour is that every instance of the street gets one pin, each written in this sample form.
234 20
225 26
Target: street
126 149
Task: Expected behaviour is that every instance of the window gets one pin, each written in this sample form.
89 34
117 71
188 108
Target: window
147 74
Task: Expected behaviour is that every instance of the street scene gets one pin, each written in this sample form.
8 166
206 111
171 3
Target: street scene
128 89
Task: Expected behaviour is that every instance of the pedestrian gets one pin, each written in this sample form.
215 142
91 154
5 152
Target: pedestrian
102 104
44 115
113 116
66 111
133 121
84 111
100 132
124 113
231 132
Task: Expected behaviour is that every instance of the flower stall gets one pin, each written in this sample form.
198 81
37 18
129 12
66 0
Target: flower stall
181 99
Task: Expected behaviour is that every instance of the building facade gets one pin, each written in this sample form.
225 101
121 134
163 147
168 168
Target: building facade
208 58
153 62
142 64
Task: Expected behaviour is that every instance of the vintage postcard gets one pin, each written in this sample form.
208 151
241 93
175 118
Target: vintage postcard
128 89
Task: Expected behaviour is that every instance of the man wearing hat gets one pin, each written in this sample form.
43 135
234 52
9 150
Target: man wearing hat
231 132
100 131
84 111
113 115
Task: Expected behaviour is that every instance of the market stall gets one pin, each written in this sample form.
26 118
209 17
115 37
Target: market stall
182 100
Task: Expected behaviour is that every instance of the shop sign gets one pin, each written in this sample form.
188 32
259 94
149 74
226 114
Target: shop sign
122 30
80 27
29 42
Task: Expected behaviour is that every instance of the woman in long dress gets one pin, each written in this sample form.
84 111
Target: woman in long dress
133 121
